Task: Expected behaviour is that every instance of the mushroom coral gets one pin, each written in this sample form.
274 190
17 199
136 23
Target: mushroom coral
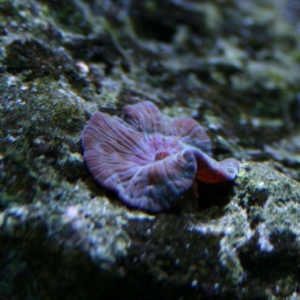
150 159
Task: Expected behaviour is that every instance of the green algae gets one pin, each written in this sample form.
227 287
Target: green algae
29 149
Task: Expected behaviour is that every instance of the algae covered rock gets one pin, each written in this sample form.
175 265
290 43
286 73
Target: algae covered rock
247 248
233 66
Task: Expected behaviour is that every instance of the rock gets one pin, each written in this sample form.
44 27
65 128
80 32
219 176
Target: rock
247 248
230 65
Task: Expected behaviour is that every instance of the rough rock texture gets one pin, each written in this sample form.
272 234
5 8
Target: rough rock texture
231 65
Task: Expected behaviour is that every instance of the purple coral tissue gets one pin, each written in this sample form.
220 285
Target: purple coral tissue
149 159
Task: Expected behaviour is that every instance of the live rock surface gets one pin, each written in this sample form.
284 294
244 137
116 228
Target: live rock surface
233 66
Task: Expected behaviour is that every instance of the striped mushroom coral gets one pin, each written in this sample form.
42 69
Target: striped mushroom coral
150 159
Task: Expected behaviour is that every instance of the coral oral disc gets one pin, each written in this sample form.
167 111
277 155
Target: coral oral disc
149 159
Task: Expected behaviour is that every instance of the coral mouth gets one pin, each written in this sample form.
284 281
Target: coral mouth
161 155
